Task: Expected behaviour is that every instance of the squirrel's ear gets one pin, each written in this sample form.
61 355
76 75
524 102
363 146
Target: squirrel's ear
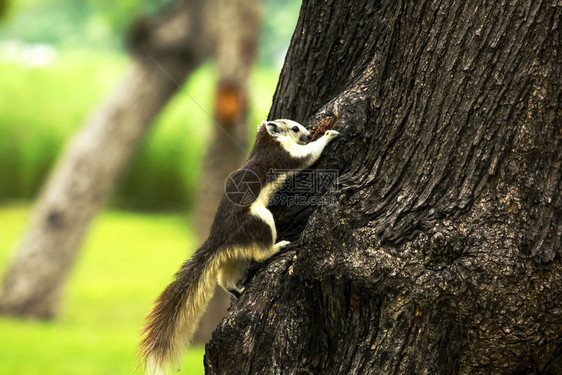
261 124
273 129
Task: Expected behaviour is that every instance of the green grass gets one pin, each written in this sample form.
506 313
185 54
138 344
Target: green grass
126 261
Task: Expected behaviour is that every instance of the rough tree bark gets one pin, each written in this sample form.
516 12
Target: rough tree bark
235 27
166 49
442 250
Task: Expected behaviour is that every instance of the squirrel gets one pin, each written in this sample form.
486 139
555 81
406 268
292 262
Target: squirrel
243 228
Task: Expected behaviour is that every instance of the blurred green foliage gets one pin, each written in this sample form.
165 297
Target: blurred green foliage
103 24
46 104
39 109
279 21
75 23
127 261
43 103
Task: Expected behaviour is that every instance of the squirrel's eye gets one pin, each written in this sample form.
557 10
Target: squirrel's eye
295 129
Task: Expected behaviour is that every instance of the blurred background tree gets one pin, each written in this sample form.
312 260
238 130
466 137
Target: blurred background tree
57 60
73 52
235 28
3 8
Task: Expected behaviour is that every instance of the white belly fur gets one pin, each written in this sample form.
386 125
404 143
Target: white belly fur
259 207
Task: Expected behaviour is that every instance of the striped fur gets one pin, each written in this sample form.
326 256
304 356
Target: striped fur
239 232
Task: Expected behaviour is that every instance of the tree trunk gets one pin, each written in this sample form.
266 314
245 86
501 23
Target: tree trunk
440 251
166 49
235 26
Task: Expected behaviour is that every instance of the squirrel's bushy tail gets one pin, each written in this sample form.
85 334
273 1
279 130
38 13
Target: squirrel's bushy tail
171 324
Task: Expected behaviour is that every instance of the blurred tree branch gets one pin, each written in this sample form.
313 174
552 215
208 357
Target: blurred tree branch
4 7
235 28
166 48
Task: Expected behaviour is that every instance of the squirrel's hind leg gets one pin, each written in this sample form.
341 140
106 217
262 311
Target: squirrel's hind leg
229 275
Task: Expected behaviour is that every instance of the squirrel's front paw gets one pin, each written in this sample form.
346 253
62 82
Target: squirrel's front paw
331 133
282 244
